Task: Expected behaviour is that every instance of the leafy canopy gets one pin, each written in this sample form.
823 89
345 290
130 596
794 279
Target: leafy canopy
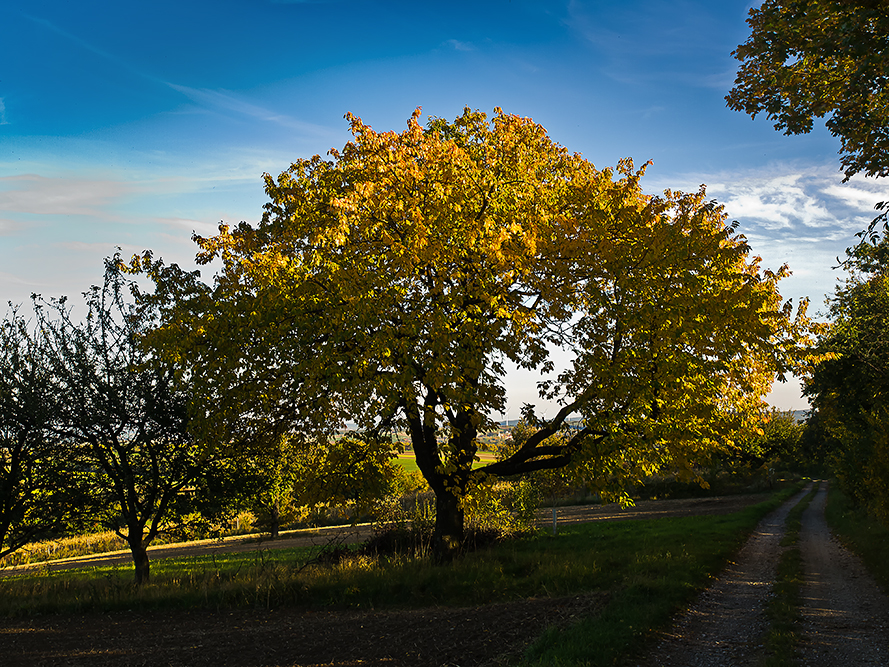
807 59
849 387
392 283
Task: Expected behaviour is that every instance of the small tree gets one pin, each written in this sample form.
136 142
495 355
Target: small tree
41 482
127 409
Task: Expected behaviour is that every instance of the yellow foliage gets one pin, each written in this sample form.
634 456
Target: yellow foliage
392 282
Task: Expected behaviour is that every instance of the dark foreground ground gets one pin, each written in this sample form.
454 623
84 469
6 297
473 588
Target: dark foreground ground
407 638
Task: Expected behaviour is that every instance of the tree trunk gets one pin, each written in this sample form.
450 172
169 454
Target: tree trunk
447 540
274 521
140 561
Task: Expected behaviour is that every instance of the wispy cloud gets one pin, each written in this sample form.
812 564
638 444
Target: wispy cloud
41 195
805 217
786 198
800 200
457 45
228 101
8 226
3 120
652 111
187 226
106 249
776 203
82 43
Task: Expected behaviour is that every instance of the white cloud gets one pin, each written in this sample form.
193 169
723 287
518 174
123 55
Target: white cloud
3 120
777 203
8 226
804 217
187 226
106 249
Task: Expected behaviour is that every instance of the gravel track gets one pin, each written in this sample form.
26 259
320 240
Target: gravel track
726 624
845 616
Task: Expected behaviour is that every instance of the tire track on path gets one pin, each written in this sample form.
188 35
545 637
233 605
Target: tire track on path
726 625
845 615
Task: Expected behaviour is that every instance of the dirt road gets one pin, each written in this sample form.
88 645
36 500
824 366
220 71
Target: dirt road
846 617
726 624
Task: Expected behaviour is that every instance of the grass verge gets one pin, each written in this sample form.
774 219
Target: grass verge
783 609
861 533
680 558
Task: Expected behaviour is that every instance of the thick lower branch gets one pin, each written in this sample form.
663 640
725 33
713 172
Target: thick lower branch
550 457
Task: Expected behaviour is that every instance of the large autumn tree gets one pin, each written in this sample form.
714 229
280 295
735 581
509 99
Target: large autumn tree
393 283
808 59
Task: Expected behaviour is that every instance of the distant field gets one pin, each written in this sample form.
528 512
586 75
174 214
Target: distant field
409 462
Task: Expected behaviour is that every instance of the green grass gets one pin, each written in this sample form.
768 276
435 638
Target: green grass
783 609
861 533
409 463
647 570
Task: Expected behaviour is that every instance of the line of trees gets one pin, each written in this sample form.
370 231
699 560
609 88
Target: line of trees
803 61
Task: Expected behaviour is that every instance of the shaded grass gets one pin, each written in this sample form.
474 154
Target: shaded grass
665 563
861 533
648 570
783 609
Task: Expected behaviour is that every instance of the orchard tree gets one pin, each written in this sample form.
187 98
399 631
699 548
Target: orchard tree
42 485
393 283
127 409
807 59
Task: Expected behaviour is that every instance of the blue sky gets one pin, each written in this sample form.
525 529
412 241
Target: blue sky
134 124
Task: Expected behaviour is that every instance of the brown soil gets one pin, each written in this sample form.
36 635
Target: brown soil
403 638
430 637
